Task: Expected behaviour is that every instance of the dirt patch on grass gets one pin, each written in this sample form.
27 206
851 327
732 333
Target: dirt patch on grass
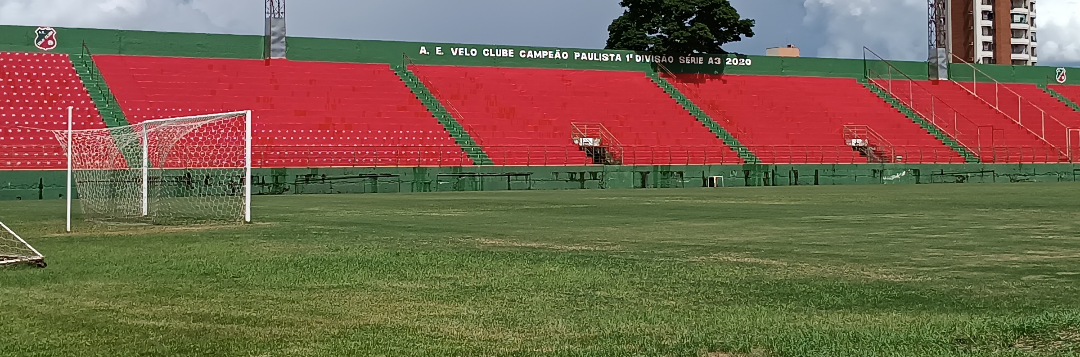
148 229
559 247
754 353
804 269
1032 256
285 247
737 259
1062 342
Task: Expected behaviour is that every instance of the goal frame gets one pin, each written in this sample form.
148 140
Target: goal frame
38 257
145 157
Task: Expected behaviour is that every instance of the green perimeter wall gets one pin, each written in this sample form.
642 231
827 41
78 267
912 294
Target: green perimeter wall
33 185
20 38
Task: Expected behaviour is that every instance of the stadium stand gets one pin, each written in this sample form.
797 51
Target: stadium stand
525 115
1012 141
306 114
35 91
802 119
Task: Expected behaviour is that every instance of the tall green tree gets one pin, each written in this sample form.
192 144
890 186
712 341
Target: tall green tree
677 27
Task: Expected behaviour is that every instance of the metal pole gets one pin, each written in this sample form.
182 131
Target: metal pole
247 166
974 80
145 171
69 133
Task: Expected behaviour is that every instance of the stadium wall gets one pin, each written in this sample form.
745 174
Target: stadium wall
34 185
101 41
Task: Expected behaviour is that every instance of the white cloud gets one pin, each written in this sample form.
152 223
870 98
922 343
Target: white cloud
215 16
895 29
1059 30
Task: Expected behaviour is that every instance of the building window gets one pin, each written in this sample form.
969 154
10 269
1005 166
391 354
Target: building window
987 46
1018 33
1033 53
1019 49
1032 21
1032 8
988 60
1016 4
987 2
987 15
987 31
1033 37
1019 18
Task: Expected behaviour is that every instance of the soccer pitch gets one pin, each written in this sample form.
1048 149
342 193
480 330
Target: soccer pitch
916 270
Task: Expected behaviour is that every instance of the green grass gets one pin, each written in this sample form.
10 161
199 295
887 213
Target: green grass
928 270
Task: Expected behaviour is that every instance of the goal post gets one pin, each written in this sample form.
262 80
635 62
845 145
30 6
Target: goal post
163 171
15 250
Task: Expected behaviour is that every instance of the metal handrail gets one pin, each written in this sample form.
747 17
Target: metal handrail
95 75
1019 110
608 140
955 134
698 100
852 133
406 61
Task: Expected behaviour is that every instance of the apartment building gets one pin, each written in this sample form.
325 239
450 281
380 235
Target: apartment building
994 31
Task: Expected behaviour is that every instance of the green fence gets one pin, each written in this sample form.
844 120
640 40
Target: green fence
33 185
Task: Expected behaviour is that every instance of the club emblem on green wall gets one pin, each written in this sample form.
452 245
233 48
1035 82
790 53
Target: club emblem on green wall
45 38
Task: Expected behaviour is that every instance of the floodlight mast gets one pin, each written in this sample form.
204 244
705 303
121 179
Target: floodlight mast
274 42
938 38
275 9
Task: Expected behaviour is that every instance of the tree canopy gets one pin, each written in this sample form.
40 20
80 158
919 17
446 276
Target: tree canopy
677 27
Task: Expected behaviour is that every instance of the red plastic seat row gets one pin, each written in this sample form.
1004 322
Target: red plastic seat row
35 91
802 119
301 110
524 116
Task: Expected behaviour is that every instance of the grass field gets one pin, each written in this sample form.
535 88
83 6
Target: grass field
928 270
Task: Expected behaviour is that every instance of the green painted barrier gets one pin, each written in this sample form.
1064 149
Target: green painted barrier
147 43
33 185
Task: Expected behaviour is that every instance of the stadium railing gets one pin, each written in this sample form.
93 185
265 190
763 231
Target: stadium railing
972 136
1017 108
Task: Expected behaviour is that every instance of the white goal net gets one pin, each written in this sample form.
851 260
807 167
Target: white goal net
14 250
165 171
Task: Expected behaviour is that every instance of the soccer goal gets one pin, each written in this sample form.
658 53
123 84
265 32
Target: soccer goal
15 250
164 171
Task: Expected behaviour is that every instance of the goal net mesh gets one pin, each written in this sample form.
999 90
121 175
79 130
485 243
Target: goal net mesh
13 249
165 171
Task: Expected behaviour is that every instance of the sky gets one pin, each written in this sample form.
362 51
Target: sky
895 29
